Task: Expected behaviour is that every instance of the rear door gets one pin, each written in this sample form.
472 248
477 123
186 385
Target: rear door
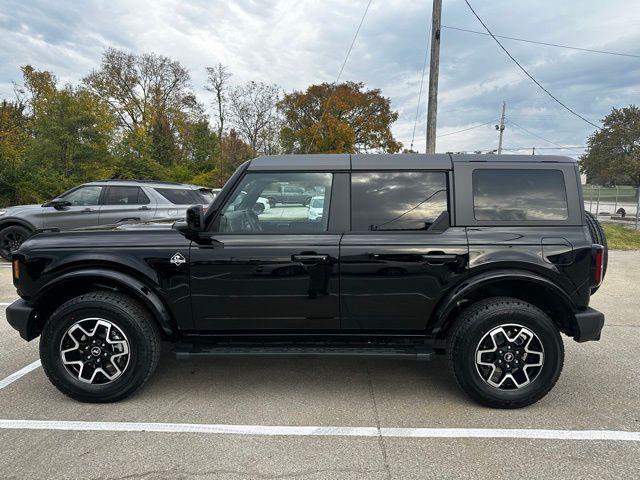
401 253
125 203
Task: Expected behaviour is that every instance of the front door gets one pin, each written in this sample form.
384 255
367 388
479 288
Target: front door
270 268
83 211
401 254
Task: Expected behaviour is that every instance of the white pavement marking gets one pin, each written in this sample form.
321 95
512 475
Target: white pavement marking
5 382
264 430
5 304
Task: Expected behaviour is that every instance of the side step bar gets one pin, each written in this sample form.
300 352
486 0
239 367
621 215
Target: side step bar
186 351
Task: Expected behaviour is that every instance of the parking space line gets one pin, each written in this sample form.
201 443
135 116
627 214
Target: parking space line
265 430
5 304
5 382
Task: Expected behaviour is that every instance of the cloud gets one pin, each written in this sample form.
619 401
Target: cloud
298 42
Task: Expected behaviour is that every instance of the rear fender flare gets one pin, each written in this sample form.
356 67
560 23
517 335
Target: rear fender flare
441 320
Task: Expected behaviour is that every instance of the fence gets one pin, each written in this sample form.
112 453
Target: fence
612 202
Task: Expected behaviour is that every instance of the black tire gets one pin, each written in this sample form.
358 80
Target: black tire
130 318
258 208
598 236
11 238
472 327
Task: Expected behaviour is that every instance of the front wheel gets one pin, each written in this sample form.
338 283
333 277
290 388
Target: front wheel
11 238
505 353
99 347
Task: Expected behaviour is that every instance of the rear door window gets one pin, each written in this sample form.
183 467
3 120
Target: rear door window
397 200
519 195
126 196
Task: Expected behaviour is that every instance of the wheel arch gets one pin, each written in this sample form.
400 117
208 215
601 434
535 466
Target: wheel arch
523 285
77 282
11 221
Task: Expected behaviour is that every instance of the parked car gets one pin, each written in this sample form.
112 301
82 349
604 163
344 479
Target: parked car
99 203
316 208
485 258
287 195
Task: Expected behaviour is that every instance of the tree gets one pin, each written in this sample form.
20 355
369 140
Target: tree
343 118
613 156
254 110
217 83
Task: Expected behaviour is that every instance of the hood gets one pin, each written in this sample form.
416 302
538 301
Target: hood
18 209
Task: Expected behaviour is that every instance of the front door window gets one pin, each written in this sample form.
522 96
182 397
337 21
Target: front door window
250 210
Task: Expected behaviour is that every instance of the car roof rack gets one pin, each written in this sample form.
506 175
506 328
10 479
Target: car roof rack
132 180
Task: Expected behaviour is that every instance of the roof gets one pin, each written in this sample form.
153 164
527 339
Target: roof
387 161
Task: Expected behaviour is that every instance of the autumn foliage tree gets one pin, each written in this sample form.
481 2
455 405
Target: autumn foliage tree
613 156
343 118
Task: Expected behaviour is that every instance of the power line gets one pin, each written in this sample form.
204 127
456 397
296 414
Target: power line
537 136
589 50
466 129
424 69
526 72
324 110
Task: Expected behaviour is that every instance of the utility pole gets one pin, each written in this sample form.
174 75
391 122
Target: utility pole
434 68
500 128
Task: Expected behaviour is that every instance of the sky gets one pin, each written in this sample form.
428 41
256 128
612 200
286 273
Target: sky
294 43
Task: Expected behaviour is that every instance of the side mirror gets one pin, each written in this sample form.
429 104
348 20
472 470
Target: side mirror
195 218
58 204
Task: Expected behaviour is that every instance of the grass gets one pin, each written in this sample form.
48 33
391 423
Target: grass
621 238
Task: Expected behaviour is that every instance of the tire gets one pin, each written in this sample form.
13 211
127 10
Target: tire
598 236
272 202
127 318
11 238
258 208
306 202
477 324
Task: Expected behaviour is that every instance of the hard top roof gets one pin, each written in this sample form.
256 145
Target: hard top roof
386 161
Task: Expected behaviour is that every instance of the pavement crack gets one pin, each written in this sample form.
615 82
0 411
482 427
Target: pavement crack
383 448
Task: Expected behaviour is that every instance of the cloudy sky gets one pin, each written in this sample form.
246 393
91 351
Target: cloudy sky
294 43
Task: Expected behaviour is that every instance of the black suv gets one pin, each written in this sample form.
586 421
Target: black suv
485 258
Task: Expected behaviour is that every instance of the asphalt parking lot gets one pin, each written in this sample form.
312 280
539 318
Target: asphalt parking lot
599 391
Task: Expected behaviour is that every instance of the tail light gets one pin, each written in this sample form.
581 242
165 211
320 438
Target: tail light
597 264
16 270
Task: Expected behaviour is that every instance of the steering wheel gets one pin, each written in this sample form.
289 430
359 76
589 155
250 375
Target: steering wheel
252 220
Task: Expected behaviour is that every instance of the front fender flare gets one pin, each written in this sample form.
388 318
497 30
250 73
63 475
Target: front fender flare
449 302
128 283
6 221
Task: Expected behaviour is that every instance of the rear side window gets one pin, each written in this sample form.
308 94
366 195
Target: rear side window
397 200
519 195
126 196
182 196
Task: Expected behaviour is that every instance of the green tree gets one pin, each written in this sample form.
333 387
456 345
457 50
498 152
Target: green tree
343 118
613 156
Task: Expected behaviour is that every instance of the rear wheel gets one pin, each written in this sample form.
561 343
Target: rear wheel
99 347
505 353
11 238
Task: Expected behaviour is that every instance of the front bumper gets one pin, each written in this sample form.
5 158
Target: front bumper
588 325
22 317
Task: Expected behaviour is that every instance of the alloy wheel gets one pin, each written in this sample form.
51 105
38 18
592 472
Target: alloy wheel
509 357
95 351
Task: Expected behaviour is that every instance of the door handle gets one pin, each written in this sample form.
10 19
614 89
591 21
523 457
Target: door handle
86 210
440 258
310 258
144 208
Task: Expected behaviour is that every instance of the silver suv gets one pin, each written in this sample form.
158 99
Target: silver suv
99 203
